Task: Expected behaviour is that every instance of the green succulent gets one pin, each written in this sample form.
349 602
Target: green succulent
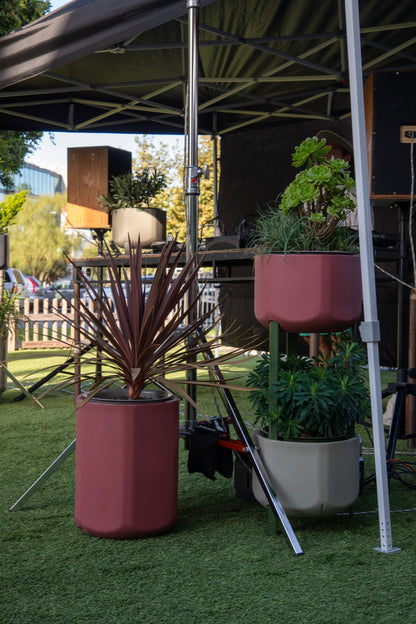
309 214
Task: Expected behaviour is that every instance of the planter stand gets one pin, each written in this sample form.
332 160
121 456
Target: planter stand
292 348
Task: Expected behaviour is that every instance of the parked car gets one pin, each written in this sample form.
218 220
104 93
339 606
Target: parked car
63 287
34 288
14 282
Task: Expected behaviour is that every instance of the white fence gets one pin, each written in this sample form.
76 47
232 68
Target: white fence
43 328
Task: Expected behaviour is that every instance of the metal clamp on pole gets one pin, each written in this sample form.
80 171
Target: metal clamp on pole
192 177
370 331
194 174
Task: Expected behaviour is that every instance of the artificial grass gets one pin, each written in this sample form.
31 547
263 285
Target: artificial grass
219 565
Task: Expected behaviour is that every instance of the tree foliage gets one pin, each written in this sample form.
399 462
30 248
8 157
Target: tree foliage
37 242
16 13
170 161
15 145
9 208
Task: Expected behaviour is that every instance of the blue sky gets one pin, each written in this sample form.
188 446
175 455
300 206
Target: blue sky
55 4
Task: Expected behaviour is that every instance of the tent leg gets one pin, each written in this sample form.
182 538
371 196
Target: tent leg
370 328
276 507
44 476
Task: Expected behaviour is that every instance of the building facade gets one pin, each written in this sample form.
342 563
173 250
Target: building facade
36 180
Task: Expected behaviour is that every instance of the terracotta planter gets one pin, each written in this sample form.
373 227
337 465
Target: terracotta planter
310 478
308 292
126 474
149 223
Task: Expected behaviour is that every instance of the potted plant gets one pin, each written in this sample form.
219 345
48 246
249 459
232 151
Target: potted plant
127 425
313 404
307 271
128 203
10 313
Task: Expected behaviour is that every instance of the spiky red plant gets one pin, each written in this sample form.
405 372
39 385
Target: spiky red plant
142 337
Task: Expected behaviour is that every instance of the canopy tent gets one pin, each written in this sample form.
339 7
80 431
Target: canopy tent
105 66
92 66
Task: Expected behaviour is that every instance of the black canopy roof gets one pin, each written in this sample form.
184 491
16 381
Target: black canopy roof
105 66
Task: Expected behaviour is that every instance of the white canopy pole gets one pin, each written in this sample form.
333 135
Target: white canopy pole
370 328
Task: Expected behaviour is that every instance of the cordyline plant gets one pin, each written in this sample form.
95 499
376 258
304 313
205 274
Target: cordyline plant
310 212
141 338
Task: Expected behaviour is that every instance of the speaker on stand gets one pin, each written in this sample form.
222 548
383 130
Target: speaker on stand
390 111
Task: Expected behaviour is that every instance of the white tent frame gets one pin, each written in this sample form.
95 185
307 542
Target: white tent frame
370 328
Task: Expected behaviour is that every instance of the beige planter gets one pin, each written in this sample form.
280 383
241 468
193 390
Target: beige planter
310 478
149 223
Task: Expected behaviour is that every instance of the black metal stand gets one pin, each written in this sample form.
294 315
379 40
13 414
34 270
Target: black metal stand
253 455
51 375
397 427
401 388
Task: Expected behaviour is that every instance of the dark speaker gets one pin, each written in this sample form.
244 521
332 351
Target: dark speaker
390 105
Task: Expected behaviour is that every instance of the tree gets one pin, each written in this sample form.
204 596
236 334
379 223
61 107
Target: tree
15 145
16 13
37 243
9 208
172 199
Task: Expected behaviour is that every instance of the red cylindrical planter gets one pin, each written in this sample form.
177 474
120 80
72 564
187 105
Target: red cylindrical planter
308 292
126 475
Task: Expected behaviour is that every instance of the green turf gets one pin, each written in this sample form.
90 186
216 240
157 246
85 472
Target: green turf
218 566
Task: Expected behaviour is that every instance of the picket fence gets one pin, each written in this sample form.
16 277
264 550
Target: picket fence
44 328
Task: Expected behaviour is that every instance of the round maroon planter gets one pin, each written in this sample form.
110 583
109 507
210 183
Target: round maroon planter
308 292
126 474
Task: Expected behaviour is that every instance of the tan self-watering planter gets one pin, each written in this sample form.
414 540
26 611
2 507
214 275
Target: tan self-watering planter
126 474
310 478
308 292
149 224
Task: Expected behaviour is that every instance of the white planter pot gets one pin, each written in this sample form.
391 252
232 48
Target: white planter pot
310 478
149 223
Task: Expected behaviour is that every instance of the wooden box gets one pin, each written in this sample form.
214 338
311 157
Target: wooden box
90 170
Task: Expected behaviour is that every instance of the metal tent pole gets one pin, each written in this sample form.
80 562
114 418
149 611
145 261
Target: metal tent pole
192 170
192 177
370 328
44 476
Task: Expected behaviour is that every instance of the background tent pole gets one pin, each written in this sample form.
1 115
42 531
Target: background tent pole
370 328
